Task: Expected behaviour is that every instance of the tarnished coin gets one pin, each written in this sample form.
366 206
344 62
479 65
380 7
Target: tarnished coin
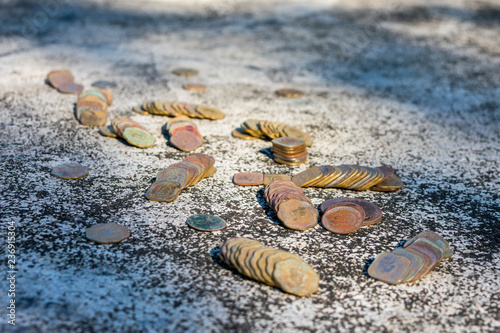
393 183
210 112
373 213
241 134
307 176
177 175
268 178
435 238
298 215
343 219
387 171
163 191
70 171
107 233
107 131
389 268
430 249
248 179
186 141
185 72
104 84
205 222
417 262
290 93
295 277
138 137
70 88
293 132
194 87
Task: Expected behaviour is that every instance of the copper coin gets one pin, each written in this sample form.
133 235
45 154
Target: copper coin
70 88
389 268
268 178
200 159
163 191
194 87
428 248
373 213
293 162
185 72
177 175
298 215
290 93
192 171
391 183
387 171
241 134
417 262
307 176
185 141
57 77
107 131
107 233
92 118
288 143
70 171
343 219
248 178
435 238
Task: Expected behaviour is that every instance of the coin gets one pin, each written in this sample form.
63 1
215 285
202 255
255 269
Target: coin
393 183
290 93
185 141
432 250
210 112
205 222
107 233
107 131
138 137
298 215
104 84
373 213
307 176
195 87
417 262
248 178
163 191
70 88
185 72
343 219
435 238
177 175
389 268
92 118
241 134
70 171
268 178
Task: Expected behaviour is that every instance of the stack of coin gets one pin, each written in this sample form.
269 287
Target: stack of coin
353 177
418 257
174 109
346 215
292 207
91 106
64 81
256 178
170 181
289 151
264 129
132 132
273 267
183 133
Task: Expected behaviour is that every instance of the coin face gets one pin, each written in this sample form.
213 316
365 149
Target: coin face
205 222
185 141
107 233
298 215
104 84
248 179
373 213
163 191
268 178
435 238
194 87
70 171
177 175
389 268
393 183
290 93
307 176
138 137
185 72
343 219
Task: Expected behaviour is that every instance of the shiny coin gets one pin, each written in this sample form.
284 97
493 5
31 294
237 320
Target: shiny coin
138 137
70 171
194 87
185 72
107 233
343 219
389 268
373 213
289 143
107 131
104 84
393 183
417 262
307 176
248 179
163 191
290 93
205 222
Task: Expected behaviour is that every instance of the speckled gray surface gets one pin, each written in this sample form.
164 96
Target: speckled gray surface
414 86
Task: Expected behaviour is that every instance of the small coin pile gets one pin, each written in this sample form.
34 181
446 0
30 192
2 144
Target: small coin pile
418 257
205 222
263 129
70 171
289 93
131 131
353 177
346 215
170 181
107 233
289 151
290 204
174 109
183 133
64 81
273 267
91 106
256 178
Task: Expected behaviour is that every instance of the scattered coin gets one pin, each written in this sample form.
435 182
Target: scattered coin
274 267
268 178
107 233
307 176
165 191
290 93
241 134
373 213
107 130
174 109
131 131
263 129
205 222
70 171
391 184
104 84
63 81
248 179
184 134
185 72
194 87
343 219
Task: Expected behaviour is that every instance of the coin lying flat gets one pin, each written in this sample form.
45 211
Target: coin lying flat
107 233
163 191
138 137
290 93
389 268
248 179
205 222
63 81
185 72
268 178
104 84
107 131
70 171
343 219
194 87
373 213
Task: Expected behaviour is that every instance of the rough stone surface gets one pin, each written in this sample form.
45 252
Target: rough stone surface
413 84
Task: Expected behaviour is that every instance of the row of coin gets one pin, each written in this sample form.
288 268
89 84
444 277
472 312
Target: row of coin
91 106
291 205
289 151
64 81
418 257
129 130
263 129
353 177
174 109
170 181
184 134
256 178
274 267
347 215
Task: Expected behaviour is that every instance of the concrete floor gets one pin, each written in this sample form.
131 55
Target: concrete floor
414 85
